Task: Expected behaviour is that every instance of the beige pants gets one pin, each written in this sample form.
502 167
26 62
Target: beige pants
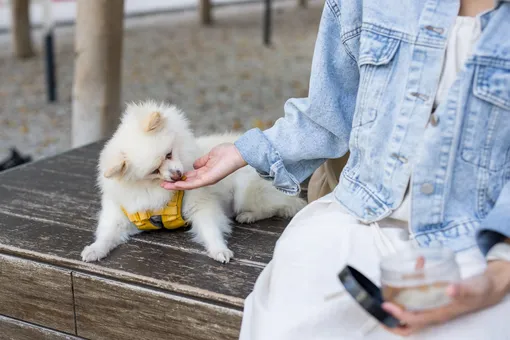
325 178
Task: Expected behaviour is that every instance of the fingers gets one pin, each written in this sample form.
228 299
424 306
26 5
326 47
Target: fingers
170 185
420 263
463 292
181 185
402 331
194 179
455 291
467 296
413 320
202 161
188 184
473 288
191 174
206 171
394 310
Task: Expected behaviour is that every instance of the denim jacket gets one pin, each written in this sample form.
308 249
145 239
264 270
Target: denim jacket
375 72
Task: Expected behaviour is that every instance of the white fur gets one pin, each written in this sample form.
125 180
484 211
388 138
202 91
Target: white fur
133 152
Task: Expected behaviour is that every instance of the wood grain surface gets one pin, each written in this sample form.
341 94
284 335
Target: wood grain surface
48 211
12 329
111 310
36 293
159 283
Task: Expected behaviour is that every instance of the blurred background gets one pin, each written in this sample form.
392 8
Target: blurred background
220 62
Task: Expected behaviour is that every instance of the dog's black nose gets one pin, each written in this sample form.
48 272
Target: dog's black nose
176 175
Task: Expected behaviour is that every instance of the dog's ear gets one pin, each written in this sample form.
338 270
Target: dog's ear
153 121
117 169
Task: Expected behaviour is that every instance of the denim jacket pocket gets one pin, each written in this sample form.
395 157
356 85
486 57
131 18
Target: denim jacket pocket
376 49
486 130
376 53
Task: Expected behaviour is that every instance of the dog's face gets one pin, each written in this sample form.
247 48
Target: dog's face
153 143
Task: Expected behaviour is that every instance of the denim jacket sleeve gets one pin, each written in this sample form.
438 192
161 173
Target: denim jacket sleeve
315 128
496 226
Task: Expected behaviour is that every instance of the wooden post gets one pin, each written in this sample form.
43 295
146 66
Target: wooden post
20 23
97 77
205 12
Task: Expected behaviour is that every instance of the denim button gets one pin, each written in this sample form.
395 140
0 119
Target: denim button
438 30
434 119
421 96
402 159
427 188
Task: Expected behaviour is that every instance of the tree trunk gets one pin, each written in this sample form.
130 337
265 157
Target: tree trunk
205 12
20 23
97 77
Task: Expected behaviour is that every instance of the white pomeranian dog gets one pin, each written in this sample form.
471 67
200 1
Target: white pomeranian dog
154 143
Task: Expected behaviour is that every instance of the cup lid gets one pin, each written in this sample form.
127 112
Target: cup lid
367 294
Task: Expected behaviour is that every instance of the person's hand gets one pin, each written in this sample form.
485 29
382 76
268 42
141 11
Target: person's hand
220 162
470 295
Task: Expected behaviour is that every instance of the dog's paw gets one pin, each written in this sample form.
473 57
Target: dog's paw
246 217
94 252
221 255
288 212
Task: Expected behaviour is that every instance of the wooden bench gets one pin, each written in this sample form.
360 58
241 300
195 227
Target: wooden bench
160 285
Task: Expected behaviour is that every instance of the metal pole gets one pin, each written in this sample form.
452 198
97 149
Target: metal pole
267 23
50 67
49 52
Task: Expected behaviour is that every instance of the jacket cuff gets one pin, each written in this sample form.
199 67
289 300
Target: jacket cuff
500 251
259 153
487 239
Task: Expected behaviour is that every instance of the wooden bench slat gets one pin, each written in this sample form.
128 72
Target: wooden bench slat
63 198
48 214
150 264
37 293
19 330
107 309
45 206
71 177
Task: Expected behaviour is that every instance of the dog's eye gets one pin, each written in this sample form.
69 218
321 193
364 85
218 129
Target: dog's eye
155 172
168 155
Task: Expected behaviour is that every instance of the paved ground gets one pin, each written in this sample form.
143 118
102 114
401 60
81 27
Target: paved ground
223 77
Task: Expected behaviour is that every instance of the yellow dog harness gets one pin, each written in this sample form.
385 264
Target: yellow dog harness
170 217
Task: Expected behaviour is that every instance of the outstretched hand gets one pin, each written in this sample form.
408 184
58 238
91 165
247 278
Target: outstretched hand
470 295
209 169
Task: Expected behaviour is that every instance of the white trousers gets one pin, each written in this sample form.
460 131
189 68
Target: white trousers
289 300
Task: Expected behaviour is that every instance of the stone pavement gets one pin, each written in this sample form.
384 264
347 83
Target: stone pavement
222 76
